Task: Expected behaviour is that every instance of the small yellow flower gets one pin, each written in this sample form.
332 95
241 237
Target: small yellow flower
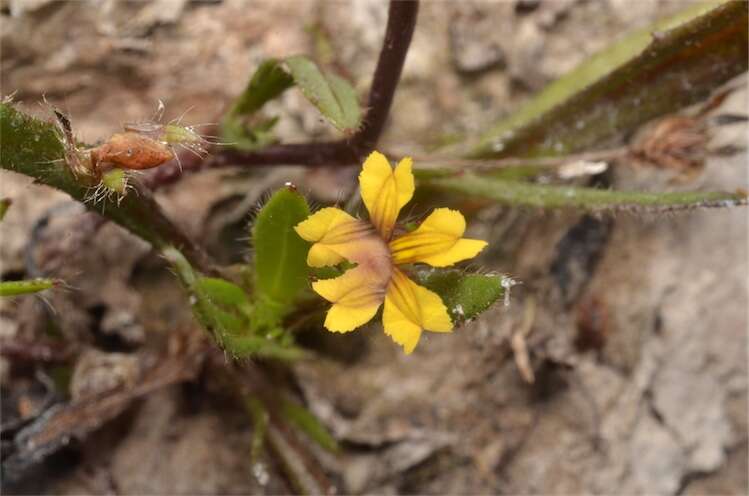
378 254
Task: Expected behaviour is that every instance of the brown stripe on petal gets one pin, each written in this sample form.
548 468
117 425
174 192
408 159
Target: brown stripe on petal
416 246
402 296
364 296
348 231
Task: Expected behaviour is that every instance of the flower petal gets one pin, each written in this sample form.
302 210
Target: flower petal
409 309
355 295
320 255
334 233
328 224
437 241
385 191
463 249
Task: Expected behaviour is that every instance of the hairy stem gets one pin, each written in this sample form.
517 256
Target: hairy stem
32 147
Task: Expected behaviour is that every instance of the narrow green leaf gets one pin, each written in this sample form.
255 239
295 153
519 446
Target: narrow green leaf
4 206
332 95
652 72
308 423
15 288
241 127
464 295
250 345
281 270
260 420
515 193
182 267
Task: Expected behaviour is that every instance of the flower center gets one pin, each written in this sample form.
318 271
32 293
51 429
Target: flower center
372 255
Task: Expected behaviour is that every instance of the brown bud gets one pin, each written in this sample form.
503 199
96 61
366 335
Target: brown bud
130 151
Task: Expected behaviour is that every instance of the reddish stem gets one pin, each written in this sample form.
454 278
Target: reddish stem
398 33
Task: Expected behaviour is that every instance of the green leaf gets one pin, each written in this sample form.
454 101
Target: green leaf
224 309
224 294
250 345
207 298
517 193
280 261
4 206
268 82
239 127
652 72
260 420
249 137
216 304
15 288
221 322
27 142
464 295
308 423
332 95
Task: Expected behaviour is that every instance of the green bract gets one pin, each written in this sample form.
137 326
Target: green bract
464 295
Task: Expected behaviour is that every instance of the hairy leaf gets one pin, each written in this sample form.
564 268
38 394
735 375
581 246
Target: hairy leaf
223 309
332 95
219 306
464 295
281 270
517 193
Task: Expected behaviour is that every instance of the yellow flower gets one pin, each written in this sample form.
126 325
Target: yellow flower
378 254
